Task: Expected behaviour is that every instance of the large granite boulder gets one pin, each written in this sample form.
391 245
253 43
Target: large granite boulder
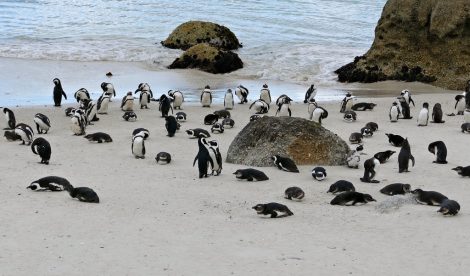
207 58
417 40
306 142
191 33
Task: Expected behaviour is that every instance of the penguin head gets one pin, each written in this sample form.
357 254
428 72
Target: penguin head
406 188
238 173
170 93
332 189
425 105
34 186
458 169
403 92
417 191
359 148
56 81
207 87
103 85
275 158
229 91
443 210
259 208
368 198
265 85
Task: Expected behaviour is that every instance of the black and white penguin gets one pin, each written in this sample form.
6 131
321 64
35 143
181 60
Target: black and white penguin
217 128
215 156
177 98
129 116
26 133
165 105
144 99
283 99
284 110
351 198
460 104
78 122
439 149
171 125
228 99
317 113
463 171
203 158
10 117
251 174
319 173
82 94
127 103
370 167
366 132
346 103
363 106
341 186
206 97
404 157
373 126
102 104
294 193
242 94
465 127
108 90
228 123
42 123
284 163
163 158
211 119
198 133
354 158
396 189
11 136
449 207
144 87
437 114
383 156
394 112
181 116
428 197
395 140
141 131
273 209
58 92
407 96
90 110
265 94
42 147
350 116
310 94
84 194
52 183
69 111
423 117
260 106
355 138
138 146
99 137
404 108
223 113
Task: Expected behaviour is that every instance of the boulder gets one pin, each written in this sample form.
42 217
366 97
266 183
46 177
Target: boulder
304 141
207 58
191 33
417 40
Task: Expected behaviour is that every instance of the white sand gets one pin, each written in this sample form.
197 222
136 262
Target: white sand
163 220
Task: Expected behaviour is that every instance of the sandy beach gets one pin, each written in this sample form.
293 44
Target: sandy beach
163 220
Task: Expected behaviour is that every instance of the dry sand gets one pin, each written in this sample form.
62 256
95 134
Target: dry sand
162 220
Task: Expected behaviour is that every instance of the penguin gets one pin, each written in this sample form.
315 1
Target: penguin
405 108
203 158
354 158
84 194
141 131
346 103
355 138
423 117
206 96
363 106
58 92
407 96
242 94
42 147
102 104
11 136
272 209
396 189
265 94
211 119
373 126
254 117
285 163
69 111
437 114
215 156
383 156
78 122
181 116
465 127
223 113
127 103
82 94
319 173
395 140
404 157
90 111
26 133
171 125
228 123
394 113
198 133
129 116
108 90
51 183
317 113
144 87
463 171
165 105
218 128
349 116
466 115
310 94
284 110
366 132
428 197
10 117
261 107
144 99
138 146
251 174
351 198
449 207
99 137
178 98
370 167
460 104
228 99
294 192
283 99
440 150
341 186
42 123
163 158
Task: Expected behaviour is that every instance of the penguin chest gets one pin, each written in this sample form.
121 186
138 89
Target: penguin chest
423 117
41 123
128 105
394 114
178 101
264 95
460 107
138 148
104 105
228 101
206 99
285 110
144 99
76 125
466 116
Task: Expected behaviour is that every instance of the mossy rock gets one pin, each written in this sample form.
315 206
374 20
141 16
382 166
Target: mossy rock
191 33
209 59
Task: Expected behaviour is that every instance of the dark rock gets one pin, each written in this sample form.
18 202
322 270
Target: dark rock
303 141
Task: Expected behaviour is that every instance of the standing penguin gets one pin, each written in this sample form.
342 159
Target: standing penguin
440 150
423 116
265 94
437 114
394 112
25 132
42 147
242 94
370 167
215 156
284 110
42 123
144 87
78 122
103 103
354 158
206 96
261 107
228 99
138 146
144 99
165 105
405 108
407 96
203 158
58 92
404 157
346 103
460 103
108 90
81 94
127 103
317 113
178 98
171 125
10 117
310 94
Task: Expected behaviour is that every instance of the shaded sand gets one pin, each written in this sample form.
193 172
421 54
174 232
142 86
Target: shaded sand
163 220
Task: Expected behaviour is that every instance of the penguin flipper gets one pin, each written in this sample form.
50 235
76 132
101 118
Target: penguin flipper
412 160
195 159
